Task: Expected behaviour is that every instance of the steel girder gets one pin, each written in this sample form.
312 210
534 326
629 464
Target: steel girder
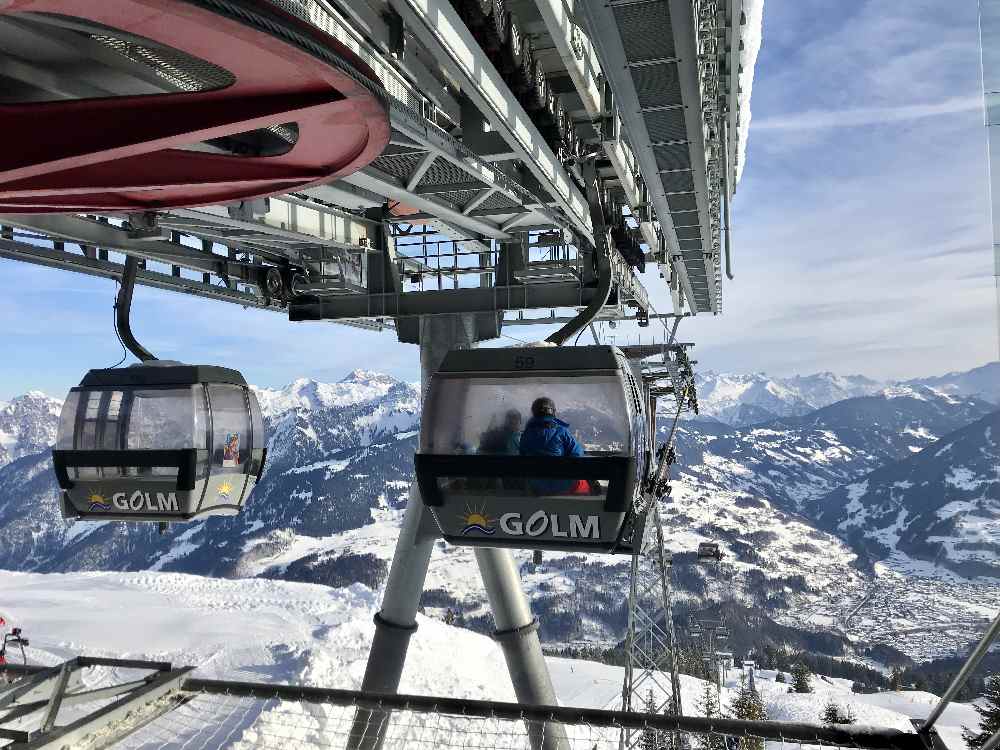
662 61
31 708
440 29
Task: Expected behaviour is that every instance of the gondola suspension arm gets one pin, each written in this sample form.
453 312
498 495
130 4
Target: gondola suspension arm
123 309
602 262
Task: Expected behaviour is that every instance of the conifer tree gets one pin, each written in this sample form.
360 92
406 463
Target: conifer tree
801 678
709 706
988 709
833 714
896 679
652 739
780 677
749 705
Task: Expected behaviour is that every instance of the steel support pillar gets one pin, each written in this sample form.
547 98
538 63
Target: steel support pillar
517 634
396 622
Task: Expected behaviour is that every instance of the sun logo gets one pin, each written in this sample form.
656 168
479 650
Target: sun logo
477 520
224 489
98 502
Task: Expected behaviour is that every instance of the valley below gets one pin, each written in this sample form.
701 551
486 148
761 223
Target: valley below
856 520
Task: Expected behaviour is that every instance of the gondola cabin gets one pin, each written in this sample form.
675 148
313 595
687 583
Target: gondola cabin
494 471
709 552
158 441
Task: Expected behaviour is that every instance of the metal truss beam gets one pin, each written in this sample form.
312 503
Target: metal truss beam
444 301
841 735
33 724
375 181
603 29
93 233
581 62
110 269
170 687
440 29
258 235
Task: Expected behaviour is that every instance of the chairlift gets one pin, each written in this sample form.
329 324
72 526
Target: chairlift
709 551
479 488
157 441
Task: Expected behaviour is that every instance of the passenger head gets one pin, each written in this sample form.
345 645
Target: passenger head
512 420
543 407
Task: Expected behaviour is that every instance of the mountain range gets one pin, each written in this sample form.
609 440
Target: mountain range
741 399
805 504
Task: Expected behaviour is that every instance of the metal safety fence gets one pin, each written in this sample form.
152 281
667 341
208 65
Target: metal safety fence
155 705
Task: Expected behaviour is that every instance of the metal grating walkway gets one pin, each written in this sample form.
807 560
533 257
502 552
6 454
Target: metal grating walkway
668 65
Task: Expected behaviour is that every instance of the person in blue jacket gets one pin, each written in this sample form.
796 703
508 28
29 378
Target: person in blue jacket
547 435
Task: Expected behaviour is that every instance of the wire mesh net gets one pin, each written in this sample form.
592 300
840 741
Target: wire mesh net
203 721
227 721
202 714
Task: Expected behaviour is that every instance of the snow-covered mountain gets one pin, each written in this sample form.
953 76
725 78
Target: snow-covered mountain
748 399
940 505
793 460
983 382
741 399
27 425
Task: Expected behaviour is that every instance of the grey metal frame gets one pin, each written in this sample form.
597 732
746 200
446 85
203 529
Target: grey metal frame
136 703
168 688
440 29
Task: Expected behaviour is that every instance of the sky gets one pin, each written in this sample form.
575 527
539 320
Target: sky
861 232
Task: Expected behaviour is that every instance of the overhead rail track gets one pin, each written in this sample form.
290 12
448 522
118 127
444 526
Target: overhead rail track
674 67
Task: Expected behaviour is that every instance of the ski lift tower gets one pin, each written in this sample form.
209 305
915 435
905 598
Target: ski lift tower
651 668
713 631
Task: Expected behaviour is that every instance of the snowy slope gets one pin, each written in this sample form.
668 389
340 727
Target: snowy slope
983 382
940 505
307 634
741 399
27 425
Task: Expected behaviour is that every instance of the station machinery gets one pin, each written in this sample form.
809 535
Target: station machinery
444 169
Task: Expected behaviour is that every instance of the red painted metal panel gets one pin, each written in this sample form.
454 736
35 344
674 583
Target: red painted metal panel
121 154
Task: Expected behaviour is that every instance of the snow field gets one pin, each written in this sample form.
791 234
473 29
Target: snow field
276 631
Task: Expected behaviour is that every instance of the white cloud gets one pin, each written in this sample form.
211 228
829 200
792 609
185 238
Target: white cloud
816 119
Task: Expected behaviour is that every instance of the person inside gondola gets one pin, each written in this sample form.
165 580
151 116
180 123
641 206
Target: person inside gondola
505 439
502 440
547 435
